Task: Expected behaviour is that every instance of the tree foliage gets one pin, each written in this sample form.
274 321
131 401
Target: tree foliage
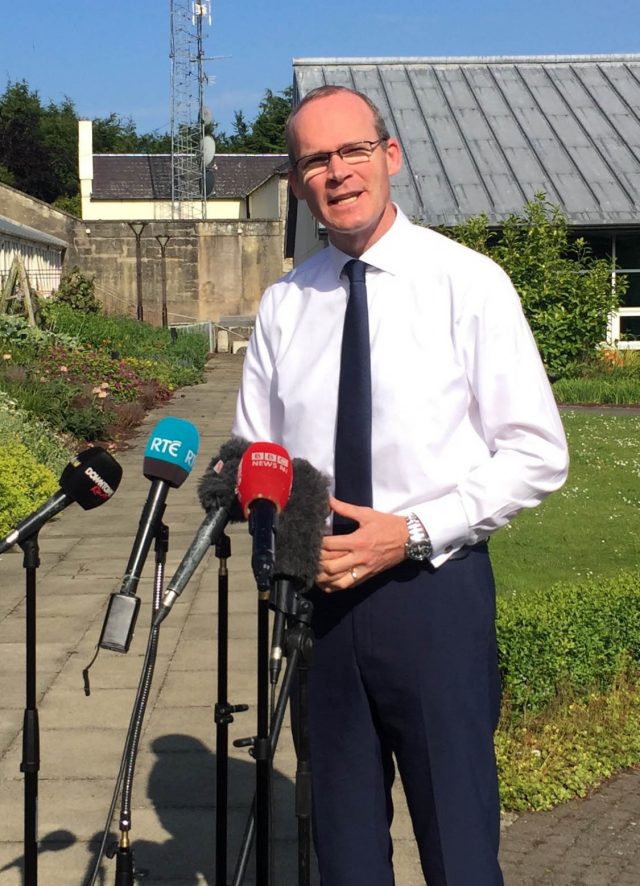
265 135
566 294
39 144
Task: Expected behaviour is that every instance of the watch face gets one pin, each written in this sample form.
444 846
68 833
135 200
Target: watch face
419 550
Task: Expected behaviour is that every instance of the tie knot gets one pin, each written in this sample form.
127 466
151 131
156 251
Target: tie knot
355 271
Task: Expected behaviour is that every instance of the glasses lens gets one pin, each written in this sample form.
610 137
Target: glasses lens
358 153
313 164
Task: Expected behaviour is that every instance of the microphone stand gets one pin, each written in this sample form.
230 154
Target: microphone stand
30 764
125 874
124 856
223 711
298 649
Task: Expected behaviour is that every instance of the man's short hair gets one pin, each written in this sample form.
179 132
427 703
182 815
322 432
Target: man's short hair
323 92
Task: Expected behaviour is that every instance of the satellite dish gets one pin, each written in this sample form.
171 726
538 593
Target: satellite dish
207 116
208 149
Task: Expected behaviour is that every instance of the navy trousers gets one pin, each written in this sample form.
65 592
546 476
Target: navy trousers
405 667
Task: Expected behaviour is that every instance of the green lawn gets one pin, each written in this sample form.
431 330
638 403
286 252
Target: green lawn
592 525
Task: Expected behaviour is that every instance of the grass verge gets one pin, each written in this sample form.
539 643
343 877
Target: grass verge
588 528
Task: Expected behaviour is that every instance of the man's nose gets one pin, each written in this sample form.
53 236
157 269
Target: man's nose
337 168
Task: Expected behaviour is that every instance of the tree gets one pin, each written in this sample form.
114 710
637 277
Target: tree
24 153
566 294
39 144
265 135
267 131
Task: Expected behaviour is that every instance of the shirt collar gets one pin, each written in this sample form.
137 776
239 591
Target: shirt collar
386 254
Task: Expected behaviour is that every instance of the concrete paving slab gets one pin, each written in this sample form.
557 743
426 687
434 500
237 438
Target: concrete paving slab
594 842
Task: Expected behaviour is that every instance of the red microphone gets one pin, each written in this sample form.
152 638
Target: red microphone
264 484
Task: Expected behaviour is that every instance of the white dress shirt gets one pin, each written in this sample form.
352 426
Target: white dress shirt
465 429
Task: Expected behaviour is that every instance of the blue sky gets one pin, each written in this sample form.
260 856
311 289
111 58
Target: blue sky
114 56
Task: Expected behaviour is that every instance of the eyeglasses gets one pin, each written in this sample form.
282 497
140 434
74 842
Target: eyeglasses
357 152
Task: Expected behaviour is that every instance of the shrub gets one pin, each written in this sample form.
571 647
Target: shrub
175 362
24 484
77 291
566 294
573 638
68 407
25 342
39 438
94 367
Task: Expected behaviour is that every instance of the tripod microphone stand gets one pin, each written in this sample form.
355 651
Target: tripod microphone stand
125 873
298 611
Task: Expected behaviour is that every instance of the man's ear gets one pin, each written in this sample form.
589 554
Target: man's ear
394 156
294 184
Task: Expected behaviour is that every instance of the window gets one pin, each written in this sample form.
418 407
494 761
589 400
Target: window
624 248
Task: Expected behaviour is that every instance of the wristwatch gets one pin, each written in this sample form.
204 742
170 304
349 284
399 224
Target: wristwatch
419 546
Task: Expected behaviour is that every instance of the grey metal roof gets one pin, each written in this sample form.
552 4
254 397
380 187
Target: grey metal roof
487 134
148 176
24 232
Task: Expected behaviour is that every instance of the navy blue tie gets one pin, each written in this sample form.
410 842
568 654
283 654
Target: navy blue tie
353 431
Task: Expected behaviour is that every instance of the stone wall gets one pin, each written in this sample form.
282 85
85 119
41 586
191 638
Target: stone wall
214 268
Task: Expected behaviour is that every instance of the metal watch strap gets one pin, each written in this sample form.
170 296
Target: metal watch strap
418 547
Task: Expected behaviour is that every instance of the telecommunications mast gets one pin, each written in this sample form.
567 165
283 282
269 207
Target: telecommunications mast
191 150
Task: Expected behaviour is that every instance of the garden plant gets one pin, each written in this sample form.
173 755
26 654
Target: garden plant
568 606
80 378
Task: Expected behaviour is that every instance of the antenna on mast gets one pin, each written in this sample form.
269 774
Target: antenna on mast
191 149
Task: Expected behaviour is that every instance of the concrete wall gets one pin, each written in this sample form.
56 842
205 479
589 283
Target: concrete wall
214 268
264 202
307 241
27 210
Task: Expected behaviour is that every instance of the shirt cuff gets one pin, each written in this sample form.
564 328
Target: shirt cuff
446 522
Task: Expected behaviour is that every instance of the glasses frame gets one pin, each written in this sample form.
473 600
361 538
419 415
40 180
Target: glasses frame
372 145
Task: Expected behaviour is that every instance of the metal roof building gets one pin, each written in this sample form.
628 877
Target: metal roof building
41 254
484 135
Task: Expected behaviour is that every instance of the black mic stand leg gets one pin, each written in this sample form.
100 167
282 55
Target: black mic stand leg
303 769
30 764
261 750
223 711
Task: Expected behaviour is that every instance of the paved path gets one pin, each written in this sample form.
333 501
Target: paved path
595 842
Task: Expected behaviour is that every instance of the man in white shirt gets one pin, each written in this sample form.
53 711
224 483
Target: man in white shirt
464 434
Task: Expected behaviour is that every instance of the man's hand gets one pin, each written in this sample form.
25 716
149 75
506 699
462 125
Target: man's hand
377 544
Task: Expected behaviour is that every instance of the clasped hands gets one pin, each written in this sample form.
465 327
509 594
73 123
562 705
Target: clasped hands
377 544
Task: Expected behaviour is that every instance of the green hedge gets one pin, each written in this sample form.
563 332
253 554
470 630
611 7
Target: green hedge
606 391
570 639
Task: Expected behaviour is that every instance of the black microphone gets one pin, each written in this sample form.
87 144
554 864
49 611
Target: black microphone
90 478
302 525
168 459
301 528
217 493
264 484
